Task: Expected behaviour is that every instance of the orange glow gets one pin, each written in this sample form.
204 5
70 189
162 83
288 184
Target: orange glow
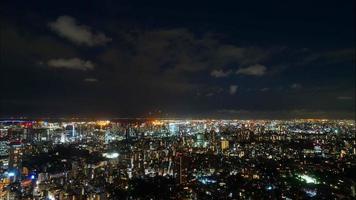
157 123
103 123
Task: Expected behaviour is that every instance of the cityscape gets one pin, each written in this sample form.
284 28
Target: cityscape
177 159
177 100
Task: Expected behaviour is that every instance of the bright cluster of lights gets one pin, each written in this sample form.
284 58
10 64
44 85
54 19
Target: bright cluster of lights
308 179
32 177
111 155
157 123
51 197
206 180
11 174
269 187
310 192
103 123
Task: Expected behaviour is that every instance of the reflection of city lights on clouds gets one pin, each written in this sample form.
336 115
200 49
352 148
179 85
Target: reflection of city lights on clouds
111 155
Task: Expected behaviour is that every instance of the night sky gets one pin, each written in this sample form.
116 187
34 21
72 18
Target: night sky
218 59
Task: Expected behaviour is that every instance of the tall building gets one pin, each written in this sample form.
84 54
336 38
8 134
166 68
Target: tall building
4 154
16 134
224 144
4 148
212 140
181 168
173 128
15 155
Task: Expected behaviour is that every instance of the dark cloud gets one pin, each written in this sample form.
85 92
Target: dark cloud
173 57
331 57
344 98
265 89
296 86
23 46
210 91
176 57
90 80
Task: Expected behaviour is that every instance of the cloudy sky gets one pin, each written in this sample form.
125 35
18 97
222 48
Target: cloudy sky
255 59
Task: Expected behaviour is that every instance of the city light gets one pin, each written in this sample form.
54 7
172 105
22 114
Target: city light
111 155
182 157
11 174
269 187
157 123
206 180
307 179
51 197
310 192
103 123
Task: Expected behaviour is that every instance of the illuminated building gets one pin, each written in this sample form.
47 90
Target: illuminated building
4 154
212 139
70 132
41 134
307 179
181 168
173 128
15 155
4 148
200 141
224 144
16 134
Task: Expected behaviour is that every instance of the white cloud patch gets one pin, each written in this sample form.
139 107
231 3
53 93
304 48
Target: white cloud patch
71 63
219 73
253 70
233 89
67 27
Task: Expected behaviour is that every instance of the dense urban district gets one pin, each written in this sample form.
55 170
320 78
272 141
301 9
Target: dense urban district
177 159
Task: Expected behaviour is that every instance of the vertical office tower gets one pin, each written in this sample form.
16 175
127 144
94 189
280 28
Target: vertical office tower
4 154
224 144
15 155
181 168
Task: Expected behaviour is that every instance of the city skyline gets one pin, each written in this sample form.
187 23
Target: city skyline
177 159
